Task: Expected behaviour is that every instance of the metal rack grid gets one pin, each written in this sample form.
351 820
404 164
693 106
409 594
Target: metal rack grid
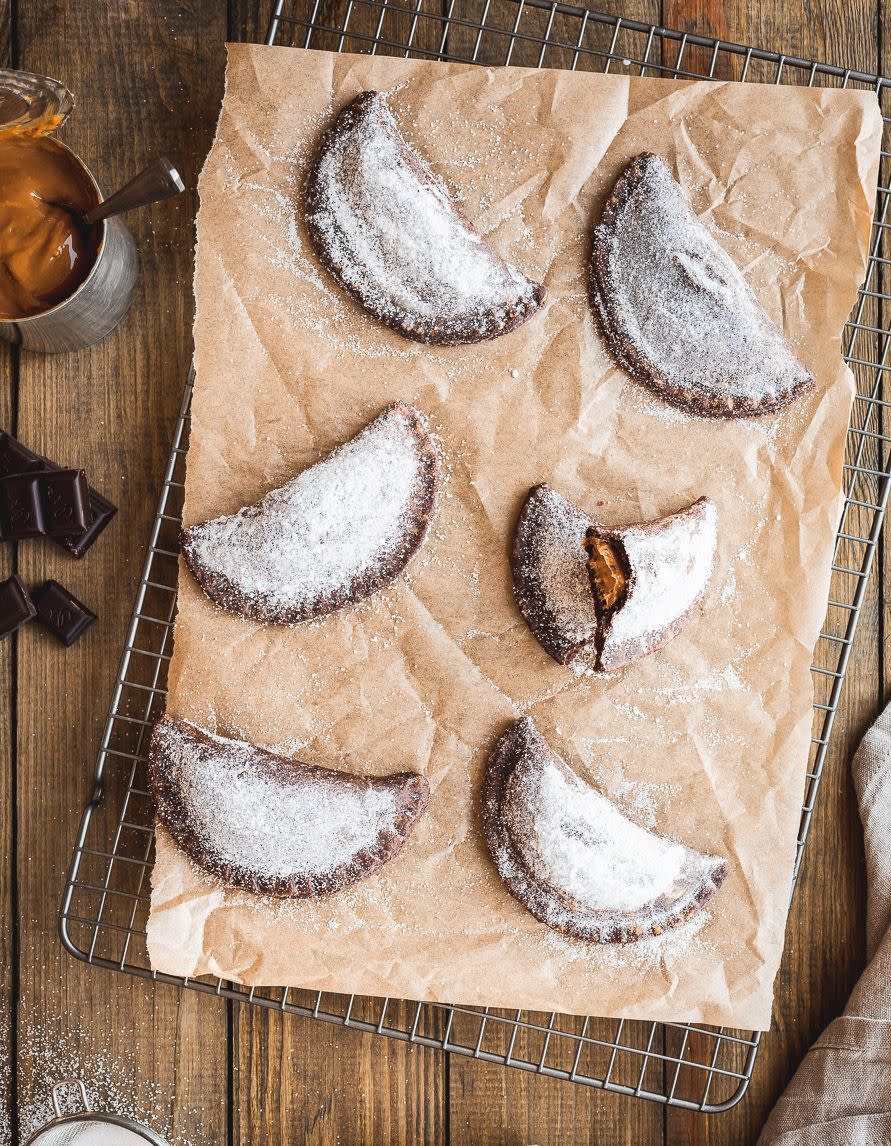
105 905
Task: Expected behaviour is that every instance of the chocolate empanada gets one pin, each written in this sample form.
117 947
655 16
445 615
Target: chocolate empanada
574 860
603 597
332 536
674 309
275 826
387 230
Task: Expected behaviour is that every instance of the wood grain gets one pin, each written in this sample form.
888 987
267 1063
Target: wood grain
147 79
8 368
294 1078
825 928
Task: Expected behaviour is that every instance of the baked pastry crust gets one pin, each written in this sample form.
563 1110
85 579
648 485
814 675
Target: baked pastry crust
666 565
669 561
213 794
385 228
674 309
574 860
297 553
550 574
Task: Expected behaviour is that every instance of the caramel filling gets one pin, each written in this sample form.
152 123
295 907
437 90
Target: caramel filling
605 572
46 251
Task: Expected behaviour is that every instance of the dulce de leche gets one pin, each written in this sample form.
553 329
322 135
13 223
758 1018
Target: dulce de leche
46 250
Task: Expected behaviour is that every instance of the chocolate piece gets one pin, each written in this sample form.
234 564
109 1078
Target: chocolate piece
21 510
16 606
16 458
65 497
103 511
62 613
53 502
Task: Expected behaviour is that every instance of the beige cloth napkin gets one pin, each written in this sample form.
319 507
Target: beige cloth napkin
841 1093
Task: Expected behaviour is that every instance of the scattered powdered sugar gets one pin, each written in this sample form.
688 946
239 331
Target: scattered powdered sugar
671 561
53 1049
5 1081
289 747
389 230
726 679
328 528
579 842
678 298
260 821
648 954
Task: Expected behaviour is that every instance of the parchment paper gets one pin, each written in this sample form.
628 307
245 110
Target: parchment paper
706 741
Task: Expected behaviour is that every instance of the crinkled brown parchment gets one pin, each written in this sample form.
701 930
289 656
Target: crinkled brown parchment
708 740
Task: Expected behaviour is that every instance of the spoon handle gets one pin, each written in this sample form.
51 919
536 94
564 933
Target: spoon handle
158 181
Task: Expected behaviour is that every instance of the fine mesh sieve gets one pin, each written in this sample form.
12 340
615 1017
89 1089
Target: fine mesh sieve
89 1127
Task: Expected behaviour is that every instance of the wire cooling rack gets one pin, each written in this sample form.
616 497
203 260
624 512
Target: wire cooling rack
103 914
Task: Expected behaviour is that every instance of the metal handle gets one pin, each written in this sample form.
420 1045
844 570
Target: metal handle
60 1086
159 181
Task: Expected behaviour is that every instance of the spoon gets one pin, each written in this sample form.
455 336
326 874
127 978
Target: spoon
159 180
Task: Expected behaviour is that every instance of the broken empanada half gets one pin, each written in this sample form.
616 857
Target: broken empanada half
574 859
600 598
674 308
334 535
385 227
274 826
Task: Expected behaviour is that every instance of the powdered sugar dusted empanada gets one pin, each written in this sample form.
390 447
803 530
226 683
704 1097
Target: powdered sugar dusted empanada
332 536
385 227
674 308
276 826
647 579
603 597
550 574
570 856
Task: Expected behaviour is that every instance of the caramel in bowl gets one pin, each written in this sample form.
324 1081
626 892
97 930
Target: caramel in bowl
46 250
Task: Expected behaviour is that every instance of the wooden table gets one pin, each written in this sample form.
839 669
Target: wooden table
148 77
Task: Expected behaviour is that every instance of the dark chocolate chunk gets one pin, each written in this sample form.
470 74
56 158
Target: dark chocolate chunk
62 613
16 458
65 497
16 606
54 502
103 511
21 508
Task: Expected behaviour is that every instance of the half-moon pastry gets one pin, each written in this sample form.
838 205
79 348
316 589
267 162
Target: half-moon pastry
571 857
674 308
603 597
550 571
275 826
384 226
332 536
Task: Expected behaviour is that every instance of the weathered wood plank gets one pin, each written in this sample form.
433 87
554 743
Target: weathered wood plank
824 932
147 79
294 1077
8 368
490 1104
